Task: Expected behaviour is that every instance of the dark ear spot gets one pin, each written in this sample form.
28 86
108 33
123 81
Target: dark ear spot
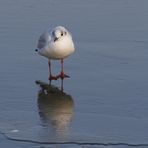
65 32
53 33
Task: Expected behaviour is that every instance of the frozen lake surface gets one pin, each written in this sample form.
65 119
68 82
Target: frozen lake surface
105 103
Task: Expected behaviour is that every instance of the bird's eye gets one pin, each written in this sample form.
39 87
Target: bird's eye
62 34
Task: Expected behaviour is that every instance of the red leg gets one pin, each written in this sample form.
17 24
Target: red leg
62 75
51 77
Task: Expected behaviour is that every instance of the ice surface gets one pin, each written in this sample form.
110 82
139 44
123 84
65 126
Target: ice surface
105 101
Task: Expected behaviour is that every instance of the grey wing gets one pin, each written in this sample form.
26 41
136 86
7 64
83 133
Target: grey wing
43 40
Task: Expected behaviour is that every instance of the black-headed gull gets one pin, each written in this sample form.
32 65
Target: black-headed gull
56 45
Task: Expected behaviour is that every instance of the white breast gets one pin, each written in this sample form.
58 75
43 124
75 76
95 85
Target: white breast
60 49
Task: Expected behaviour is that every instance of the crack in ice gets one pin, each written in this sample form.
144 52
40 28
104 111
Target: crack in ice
76 142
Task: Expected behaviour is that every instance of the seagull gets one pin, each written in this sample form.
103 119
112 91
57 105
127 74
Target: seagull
56 44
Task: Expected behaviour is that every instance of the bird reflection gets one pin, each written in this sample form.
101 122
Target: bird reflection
55 108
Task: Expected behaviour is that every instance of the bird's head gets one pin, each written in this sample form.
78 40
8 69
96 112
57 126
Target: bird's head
59 32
